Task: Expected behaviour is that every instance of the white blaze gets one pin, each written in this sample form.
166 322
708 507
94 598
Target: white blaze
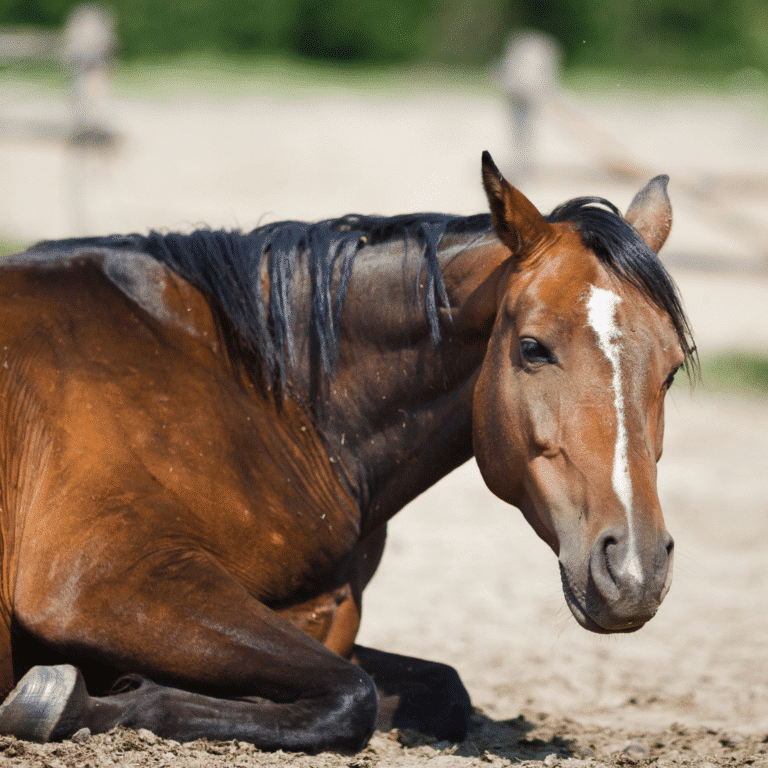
601 315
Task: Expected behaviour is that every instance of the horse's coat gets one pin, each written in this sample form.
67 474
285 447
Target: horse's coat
202 438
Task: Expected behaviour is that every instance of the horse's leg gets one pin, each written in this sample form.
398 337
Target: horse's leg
52 703
424 695
225 665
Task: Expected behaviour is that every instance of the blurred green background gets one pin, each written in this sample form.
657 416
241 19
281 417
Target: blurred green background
641 35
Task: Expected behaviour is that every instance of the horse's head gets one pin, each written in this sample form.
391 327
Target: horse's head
568 413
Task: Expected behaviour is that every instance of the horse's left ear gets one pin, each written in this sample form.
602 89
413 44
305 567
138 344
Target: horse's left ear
650 213
516 219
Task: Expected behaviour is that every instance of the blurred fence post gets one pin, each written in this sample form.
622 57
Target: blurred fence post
88 44
529 76
85 49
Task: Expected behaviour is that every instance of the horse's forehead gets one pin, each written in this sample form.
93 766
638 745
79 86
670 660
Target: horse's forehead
611 300
570 283
561 274
556 282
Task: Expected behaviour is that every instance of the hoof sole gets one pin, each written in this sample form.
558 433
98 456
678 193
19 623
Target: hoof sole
45 705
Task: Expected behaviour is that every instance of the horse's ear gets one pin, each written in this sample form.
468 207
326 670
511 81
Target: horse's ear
650 213
518 223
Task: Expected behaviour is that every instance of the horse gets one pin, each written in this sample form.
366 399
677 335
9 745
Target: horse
204 436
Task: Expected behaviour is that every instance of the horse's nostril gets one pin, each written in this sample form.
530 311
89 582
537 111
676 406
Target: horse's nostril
610 553
604 565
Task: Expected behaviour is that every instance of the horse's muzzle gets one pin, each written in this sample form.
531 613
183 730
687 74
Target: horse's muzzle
623 584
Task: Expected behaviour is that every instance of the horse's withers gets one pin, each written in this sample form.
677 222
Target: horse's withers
568 409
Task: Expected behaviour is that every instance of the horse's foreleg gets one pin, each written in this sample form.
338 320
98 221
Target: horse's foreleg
52 703
424 695
225 666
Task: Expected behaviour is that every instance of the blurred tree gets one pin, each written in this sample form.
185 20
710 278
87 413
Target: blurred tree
43 13
466 31
690 34
350 30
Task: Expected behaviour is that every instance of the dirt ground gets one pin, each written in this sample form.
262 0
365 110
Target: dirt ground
464 579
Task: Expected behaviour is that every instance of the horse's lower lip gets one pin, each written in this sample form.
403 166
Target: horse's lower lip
580 612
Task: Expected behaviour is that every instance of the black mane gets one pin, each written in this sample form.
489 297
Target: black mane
228 266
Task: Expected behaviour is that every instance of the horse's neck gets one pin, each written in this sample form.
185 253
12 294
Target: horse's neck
399 408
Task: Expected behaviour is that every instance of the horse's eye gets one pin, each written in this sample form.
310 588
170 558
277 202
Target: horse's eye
535 352
671 378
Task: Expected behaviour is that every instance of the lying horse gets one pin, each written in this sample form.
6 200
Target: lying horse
204 436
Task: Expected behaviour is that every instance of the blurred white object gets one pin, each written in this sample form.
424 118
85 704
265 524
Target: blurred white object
530 72
88 44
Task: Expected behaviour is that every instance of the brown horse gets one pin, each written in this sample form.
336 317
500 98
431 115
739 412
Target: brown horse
204 436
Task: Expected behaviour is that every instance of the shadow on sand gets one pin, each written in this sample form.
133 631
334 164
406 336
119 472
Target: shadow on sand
511 739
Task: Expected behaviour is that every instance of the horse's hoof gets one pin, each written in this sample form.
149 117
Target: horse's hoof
46 704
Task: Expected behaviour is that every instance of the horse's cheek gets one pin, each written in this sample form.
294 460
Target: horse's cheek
541 421
499 443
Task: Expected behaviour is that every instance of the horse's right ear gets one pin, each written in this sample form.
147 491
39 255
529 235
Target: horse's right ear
516 219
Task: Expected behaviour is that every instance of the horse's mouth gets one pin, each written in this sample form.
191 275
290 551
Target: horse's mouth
577 604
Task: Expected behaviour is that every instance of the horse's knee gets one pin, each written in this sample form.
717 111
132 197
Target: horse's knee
424 695
446 678
351 718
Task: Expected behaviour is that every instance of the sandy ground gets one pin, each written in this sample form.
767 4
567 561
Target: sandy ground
464 579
